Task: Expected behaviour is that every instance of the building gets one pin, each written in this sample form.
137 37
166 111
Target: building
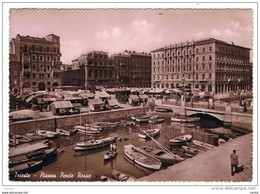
96 68
207 65
132 69
36 63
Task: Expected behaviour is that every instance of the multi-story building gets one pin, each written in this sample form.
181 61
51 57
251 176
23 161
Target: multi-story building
98 69
39 63
208 65
132 69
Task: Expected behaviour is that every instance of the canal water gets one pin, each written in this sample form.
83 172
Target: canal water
71 165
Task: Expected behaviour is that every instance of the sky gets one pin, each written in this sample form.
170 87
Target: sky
138 30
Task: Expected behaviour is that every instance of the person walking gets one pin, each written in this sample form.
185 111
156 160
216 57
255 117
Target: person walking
234 162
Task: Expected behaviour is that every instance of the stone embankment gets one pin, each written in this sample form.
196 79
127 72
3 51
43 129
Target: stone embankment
212 165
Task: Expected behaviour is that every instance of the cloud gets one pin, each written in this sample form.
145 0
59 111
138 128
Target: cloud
215 32
236 25
127 37
200 34
231 33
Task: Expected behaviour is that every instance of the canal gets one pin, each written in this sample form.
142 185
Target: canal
89 165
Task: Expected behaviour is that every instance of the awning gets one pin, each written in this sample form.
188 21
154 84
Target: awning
29 99
76 104
156 91
134 97
144 96
95 101
102 94
113 102
62 104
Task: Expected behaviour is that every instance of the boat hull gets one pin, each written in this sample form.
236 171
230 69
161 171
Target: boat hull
185 120
83 146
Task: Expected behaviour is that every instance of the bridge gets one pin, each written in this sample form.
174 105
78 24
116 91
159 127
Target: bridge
226 116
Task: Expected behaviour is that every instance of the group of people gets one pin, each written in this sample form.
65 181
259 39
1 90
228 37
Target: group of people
113 147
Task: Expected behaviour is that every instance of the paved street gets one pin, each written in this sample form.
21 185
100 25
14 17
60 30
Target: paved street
213 165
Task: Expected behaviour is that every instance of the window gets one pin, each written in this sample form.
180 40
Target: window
48 75
100 63
48 58
197 50
41 58
177 76
197 58
210 76
89 73
209 66
34 76
25 48
110 73
100 73
210 48
48 49
54 49
203 50
33 48
203 76
34 83
40 49
49 68
203 58
33 57
210 57
48 83
197 76
190 60
188 76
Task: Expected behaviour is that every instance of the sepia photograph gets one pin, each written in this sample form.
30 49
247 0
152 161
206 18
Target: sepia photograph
130 96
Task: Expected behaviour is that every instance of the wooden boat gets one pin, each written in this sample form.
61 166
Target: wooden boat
109 155
13 142
34 156
147 133
73 131
164 157
221 141
163 109
203 144
154 117
143 119
89 128
141 159
48 134
128 123
184 119
106 125
94 144
63 132
122 176
133 118
34 136
27 148
155 121
180 140
88 132
25 168
190 150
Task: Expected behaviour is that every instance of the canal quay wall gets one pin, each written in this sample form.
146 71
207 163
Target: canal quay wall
212 165
67 122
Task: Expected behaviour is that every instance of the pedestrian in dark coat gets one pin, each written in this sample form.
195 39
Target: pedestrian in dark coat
234 162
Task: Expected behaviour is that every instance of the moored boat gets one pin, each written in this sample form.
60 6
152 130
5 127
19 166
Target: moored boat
25 168
221 141
110 155
122 176
157 120
88 131
164 157
149 133
48 134
106 125
63 132
203 144
163 109
143 119
184 119
94 144
180 140
190 150
141 159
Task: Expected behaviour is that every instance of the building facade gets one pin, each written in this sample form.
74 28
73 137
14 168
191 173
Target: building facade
96 68
132 69
38 61
207 65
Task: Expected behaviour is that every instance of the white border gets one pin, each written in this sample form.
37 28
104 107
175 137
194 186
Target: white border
5 89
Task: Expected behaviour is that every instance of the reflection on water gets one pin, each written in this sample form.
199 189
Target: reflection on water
89 165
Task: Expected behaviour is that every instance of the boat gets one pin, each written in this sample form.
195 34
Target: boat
180 140
132 153
73 131
133 118
89 128
163 109
27 148
151 132
94 144
106 125
35 156
221 141
88 132
157 120
25 168
203 144
107 179
128 123
109 155
164 157
184 119
122 176
13 142
34 136
143 119
48 134
154 117
190 150
63 132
